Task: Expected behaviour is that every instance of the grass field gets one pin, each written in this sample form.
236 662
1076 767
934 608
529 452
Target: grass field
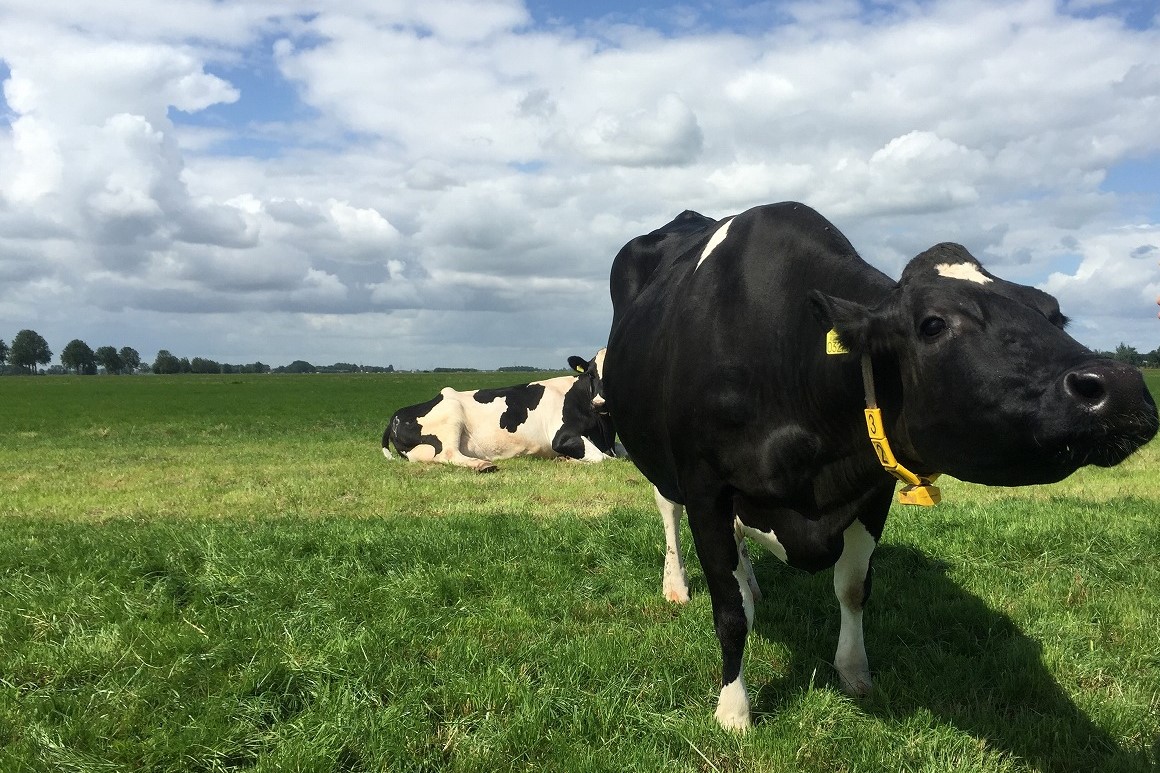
223 573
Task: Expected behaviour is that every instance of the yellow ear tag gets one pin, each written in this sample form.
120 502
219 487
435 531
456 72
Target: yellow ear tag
834 344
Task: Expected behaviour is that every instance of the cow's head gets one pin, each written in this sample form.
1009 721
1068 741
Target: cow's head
978 379
590 379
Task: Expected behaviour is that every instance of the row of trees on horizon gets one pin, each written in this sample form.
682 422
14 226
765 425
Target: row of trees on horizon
29 350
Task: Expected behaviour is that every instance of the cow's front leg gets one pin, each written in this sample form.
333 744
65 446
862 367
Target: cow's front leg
852 587
727 575
577 448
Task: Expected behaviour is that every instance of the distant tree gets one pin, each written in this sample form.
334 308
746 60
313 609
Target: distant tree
166 363
256 367
78 356
3 352
130 359
1128 354
518 369
28 350
186 366
110 360
202 365
1152 359
298 366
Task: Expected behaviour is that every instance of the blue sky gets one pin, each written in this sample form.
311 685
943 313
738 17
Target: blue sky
445 182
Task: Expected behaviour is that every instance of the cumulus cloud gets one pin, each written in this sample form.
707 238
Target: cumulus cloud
428 170
665 134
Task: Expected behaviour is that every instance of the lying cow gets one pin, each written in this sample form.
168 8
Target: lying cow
718 375
558 417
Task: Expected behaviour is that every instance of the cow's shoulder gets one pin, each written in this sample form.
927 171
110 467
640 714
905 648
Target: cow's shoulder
638 260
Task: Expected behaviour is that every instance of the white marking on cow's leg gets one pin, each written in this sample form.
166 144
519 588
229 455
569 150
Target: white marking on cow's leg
767 539
387 453
745 563
592 453
733 706
714 241
675 583
965 271
850 587
459 459
733 702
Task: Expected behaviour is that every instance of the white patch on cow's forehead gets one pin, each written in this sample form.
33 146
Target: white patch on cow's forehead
965 271
714 240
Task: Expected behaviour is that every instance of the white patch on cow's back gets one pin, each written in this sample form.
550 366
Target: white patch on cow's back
714 241
966 271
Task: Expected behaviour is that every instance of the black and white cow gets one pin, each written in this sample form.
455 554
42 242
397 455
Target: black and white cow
558 417
720 385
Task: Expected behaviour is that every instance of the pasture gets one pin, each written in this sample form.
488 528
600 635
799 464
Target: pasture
223 573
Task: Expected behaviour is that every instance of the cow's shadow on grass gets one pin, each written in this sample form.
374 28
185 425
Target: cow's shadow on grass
935 649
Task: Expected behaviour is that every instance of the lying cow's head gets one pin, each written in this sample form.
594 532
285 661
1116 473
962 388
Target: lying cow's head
978 379
591 379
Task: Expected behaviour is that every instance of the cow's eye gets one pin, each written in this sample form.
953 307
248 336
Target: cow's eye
932 326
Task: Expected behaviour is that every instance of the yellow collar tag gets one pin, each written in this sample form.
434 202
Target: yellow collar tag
834 344
916 490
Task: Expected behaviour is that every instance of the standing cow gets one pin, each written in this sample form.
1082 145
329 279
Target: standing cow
558 417
718 378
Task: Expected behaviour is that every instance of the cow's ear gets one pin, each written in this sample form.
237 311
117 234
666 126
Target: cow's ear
578 364
853 321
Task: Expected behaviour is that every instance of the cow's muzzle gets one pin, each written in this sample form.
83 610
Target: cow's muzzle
1122 413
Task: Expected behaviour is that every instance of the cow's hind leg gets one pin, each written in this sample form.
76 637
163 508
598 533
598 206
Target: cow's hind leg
675 582
727 575
463 460
449 455
852 587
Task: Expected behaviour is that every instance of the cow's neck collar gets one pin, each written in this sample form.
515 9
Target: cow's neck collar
916 489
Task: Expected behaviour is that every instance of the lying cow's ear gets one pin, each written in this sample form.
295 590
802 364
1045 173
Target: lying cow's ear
853 321
578 364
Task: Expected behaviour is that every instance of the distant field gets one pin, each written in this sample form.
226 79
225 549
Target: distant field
223 573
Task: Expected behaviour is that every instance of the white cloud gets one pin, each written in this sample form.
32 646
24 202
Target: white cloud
664 134
451 157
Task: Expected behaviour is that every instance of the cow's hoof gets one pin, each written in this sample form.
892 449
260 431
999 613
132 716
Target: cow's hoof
486 468
676 594
674 581
856 685
733 708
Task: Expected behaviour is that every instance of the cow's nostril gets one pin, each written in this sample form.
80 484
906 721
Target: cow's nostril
1087 387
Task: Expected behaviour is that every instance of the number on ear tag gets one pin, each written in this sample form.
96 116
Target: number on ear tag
834 344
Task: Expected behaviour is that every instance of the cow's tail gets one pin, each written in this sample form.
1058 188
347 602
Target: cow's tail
387 437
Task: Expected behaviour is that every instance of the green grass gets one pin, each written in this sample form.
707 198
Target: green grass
203 573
